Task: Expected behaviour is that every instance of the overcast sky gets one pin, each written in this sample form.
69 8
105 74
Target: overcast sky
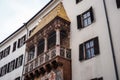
13 13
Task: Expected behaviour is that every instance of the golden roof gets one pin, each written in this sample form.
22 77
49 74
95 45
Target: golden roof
57 11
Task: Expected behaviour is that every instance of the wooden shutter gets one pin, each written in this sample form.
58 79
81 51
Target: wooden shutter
91 14
24 38
8 49
5 68
18 43
13 62
118 3
14 46
81 52
96 46
79 22
21 59
8 67
0 55
16 63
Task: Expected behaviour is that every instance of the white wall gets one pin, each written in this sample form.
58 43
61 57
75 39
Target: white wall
13 55
114 19
101 65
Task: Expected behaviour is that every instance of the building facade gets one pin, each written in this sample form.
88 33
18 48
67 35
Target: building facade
12 52
66 40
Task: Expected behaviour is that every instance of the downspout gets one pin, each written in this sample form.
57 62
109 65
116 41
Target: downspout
111 41
25 24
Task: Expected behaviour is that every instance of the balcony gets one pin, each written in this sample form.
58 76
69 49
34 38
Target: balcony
47 57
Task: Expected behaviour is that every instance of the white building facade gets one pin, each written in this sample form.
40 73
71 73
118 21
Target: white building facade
94 41
12 52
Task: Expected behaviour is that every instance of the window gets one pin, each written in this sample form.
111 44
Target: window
77 1
11 66
18 78
40 47
118 3
89 49
6 51
21 41
19 61
85 19
30 32
14 46
4 70
51 40
31 53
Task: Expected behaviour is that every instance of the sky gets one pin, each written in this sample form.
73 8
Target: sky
13 13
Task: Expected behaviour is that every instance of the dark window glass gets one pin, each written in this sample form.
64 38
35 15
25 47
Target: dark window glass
89 49
85 19
51 40
30 32
14 46
40 47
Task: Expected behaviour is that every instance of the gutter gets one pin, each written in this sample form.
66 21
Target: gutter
111 41
27 35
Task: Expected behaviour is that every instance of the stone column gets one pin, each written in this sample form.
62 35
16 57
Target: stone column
35 53
45 44
35 45
57 41
57 36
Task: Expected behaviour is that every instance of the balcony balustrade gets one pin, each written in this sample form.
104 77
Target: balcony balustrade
47 57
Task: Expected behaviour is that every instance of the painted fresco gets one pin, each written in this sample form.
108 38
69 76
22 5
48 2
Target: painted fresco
53 75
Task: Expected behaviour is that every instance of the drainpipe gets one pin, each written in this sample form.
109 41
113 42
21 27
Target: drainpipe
25 24
111 41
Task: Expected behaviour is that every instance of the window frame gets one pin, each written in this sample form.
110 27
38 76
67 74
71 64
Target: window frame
89 49
6 51
81 18
83 51
4 70
19 61
31 53
11 66
21 41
